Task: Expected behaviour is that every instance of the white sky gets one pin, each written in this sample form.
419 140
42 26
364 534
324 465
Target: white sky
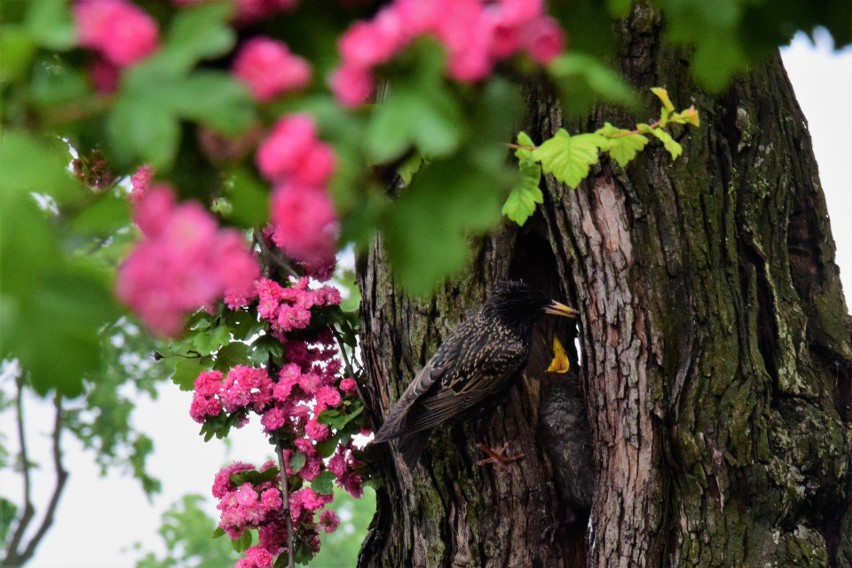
99 519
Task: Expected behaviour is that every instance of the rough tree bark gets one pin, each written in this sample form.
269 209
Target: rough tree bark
716 356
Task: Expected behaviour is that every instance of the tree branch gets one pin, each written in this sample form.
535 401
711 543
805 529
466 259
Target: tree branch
61 479
285 503
12 556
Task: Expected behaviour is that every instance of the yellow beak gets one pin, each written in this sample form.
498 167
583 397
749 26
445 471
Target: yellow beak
559 309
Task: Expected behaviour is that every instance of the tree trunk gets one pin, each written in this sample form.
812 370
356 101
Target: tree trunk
715 366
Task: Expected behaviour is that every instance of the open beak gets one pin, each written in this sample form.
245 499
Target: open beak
559 309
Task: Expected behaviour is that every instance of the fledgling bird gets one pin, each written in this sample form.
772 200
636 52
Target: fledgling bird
477 363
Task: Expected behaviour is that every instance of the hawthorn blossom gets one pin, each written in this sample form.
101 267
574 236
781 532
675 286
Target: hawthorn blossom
269 69
141 183
292 153
304 223
119 30
183 262
476 35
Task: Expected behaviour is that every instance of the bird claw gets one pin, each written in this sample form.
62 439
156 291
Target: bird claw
498 456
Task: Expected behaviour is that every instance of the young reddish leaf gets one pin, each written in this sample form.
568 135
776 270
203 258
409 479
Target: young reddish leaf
688 116
663 95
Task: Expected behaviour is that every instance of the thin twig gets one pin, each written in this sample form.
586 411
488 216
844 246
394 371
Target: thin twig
285 500
61 478
346 363
276 259
12 556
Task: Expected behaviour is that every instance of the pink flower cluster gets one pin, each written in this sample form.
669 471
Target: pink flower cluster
476 34
119 30
269 69
183 262
248 11
141 183
304 223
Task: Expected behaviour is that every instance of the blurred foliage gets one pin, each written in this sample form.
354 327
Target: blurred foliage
340 548
185 531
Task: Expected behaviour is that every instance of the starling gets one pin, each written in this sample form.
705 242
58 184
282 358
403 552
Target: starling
474 366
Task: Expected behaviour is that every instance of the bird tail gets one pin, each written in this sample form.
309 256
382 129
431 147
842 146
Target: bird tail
411 446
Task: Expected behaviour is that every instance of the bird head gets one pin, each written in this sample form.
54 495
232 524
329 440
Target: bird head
517 306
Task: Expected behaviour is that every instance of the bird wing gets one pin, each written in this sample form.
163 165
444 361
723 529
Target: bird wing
475 362
394 424
466 384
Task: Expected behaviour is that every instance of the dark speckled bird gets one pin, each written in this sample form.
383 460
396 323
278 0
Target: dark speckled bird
477 363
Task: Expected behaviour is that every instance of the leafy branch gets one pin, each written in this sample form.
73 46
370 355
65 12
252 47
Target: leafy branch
568 158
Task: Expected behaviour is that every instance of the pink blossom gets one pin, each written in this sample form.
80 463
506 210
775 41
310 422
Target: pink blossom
352 85
327 296
543 39
304 223
310 382
329 521
273 419
208 383
104 76
271 498
317 431
121 31
222 483
246 495
328 397
183 263
241 387
254 10
348 385
141 182
366 44
268 68
287 145
259 557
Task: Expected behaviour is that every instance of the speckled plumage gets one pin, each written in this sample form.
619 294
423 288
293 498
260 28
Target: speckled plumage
477 362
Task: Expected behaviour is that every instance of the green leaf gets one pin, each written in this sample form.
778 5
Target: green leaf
51 26
140 130
31 164
584 80
54 328
106 214
670 144
199 32
249 198
210 341
18 50
297 462
419 111
622 144
427 226
242 543
219 532
212 98
522 200
524 153
568 157
323 483
236 353
265 346
254 477
186 371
